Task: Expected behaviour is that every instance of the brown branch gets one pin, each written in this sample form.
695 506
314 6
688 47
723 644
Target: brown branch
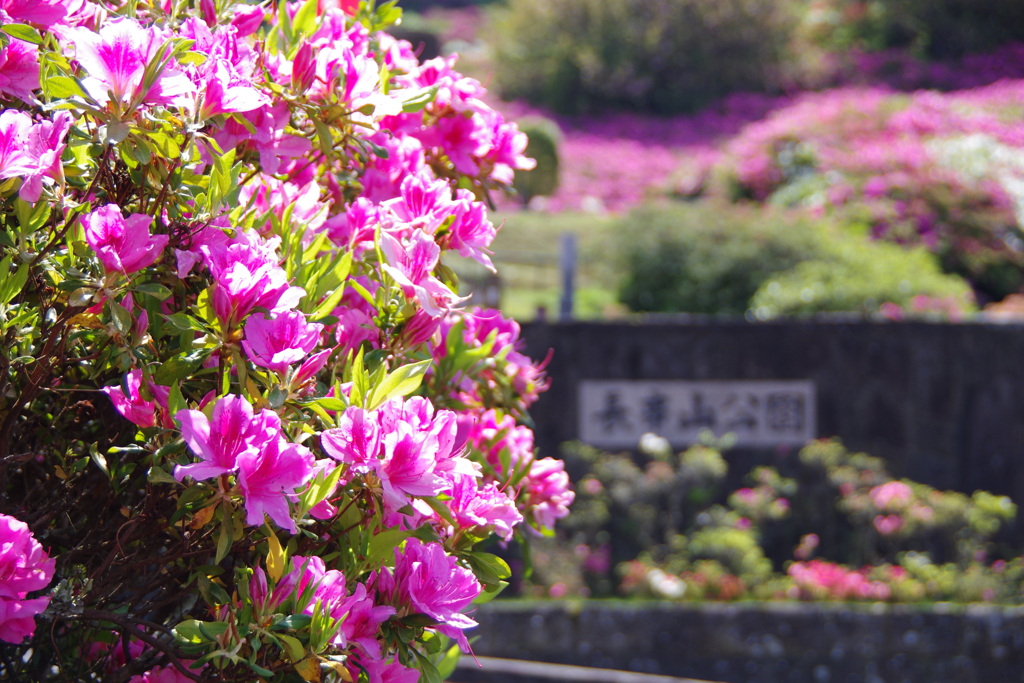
129 623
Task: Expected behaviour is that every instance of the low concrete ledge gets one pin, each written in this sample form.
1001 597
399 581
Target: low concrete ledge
763 642
496 670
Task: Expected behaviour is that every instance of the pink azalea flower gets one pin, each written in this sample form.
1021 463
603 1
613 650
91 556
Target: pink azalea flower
15 127
45 13
484 506
310 367
431 582
276 343
45 145
223 91
246 276
355 227
24 567
355 441
411 267
267 476
548 494
136 409
271 141
19 70
116 59
389 672
233 431
122 244
892 495
362 623
407 468
162 674
247 19
471 233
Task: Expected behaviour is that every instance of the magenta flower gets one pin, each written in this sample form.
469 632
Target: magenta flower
223 91
355 441
162 674
276 343
247 19
362 625
116 60
19 70
431 582
268 475
548 493
471 233
15 127
411 267
46 13
24 567
273 144
407 469
474 505
233 431
246 276
389 672
136 409
122 244
45 146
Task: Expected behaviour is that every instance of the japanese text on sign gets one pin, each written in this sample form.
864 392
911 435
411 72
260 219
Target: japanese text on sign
615 413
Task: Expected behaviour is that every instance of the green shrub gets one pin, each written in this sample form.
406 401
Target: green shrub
545 139
704 258
933 28
859 275
655 55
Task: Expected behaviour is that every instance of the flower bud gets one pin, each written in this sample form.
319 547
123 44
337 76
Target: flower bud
303 68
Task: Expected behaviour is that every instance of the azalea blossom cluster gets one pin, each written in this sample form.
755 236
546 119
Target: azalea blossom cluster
275 441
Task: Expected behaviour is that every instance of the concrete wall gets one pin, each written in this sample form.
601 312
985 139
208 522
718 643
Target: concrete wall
944 404
763 643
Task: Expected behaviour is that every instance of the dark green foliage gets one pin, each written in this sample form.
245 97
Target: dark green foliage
726 260
933 28
545 139
655 55
699 258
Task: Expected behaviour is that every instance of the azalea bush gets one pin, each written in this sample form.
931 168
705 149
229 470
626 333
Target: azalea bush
839 527
931 169
248 430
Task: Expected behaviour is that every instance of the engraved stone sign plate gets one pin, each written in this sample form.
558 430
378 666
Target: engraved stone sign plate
615 413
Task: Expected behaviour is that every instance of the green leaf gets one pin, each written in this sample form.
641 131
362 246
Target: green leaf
305 19
158 475
402 382
293 622
382 545
62 87
441 509
12 283
154 289
490 592
175 400
446 667
225 539
331 302
195 631
293 647
489 569
182 322
99 459
122 318
179 367
360 381
429 672
23 32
